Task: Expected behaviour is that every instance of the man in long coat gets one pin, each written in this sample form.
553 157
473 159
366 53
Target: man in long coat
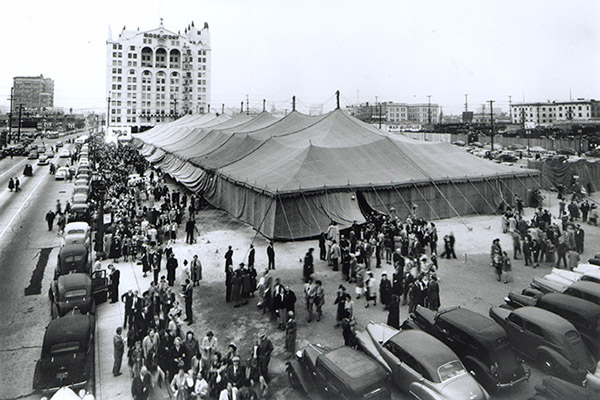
385 290
171 269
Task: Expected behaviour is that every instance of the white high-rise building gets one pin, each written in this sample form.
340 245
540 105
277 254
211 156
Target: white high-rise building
157 75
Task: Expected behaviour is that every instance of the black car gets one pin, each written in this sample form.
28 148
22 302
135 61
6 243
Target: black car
78 291
550 340
73 258
583 314
586 290
67 357
478 340
80 212
553 388
342 373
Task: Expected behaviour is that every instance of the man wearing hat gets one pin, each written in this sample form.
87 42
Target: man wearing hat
264 350
290 333
309 267
235 373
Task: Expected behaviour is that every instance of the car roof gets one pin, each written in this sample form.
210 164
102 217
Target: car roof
429 351
587 286
354 368
74 248
544 318
70 328
481 328
74 280
582 307
78 224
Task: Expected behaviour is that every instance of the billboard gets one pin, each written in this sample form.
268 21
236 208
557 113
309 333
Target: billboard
116 133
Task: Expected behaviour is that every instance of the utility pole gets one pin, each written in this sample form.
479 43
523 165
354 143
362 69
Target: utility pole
247 105
492 123
429 109
293 103
510 107
264 104
242 109
19 128
222 108
107 113
12 91
466 102
379 116
337 99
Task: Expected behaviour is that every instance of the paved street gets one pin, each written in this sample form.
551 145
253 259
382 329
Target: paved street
27 259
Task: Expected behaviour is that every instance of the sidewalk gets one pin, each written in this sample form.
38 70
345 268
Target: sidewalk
108 318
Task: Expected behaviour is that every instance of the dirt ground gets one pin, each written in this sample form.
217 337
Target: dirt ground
468 281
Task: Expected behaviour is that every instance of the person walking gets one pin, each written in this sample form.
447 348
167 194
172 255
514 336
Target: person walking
115 276
50 219
393 318
309 267
190 228
371 291
196 270
290 333
188 292
319 299
335 253
271 255
171 269
17 184
11 184
264 350
251 256
228 258
119 349
433 294
309 297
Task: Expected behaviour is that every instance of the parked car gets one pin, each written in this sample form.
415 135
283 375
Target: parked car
553 388
419 363
64 153
72 258
33 155
341 373
550 340
583 314
79 212
61 174
85 189
567 151
478 340
80 198
49 153
589 291
76 291
67 357
77 232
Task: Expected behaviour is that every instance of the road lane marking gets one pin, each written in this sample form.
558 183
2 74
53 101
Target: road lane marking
16 165
21 208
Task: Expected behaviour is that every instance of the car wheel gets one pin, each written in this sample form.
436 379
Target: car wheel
293 378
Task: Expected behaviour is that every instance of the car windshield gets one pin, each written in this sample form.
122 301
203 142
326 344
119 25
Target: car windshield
75 294
450 370
66 347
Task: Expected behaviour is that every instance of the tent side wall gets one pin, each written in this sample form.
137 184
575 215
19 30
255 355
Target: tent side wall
445 200
255 208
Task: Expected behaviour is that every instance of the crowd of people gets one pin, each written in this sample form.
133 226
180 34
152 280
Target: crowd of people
542 239
156 346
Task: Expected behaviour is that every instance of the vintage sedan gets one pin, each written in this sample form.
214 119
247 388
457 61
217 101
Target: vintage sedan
550 340
79 212
77 291
61 174
420 364
586 290
77 232
67 357
73 258
478 340
342 373
553 388
583 314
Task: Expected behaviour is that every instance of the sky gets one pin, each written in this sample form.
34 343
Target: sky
385 50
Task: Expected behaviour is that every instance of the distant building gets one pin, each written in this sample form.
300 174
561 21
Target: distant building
35 93
397 112
548 113
157 75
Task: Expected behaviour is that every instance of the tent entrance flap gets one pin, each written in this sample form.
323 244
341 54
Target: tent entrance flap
364 206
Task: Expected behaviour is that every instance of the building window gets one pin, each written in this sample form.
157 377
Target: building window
147 56
161 58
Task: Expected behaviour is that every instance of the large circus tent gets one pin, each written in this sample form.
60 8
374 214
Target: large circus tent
290 177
